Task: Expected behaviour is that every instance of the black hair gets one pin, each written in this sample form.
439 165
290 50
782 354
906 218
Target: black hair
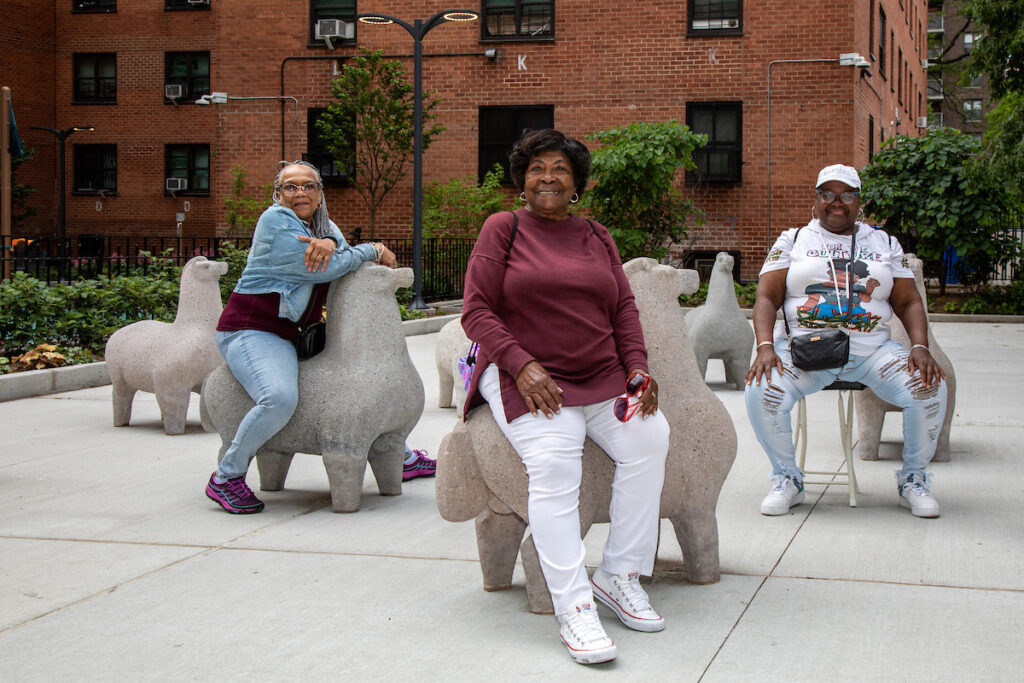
534 142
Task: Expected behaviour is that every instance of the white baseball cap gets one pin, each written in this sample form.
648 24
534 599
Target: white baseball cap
844 174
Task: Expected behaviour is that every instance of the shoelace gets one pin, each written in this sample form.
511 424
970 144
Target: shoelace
238 489
586 626
780 486
421 460
634 593
916 490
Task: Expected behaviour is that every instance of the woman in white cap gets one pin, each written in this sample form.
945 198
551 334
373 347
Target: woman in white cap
836 272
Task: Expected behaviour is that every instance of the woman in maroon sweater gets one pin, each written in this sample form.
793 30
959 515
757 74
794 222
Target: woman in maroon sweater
559 335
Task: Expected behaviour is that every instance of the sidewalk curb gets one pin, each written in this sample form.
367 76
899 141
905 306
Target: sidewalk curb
53 380
72 377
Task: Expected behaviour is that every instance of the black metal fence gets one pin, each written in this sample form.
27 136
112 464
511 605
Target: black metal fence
87 256
1003 272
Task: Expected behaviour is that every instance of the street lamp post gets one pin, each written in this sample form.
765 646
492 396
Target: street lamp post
417 30
62 135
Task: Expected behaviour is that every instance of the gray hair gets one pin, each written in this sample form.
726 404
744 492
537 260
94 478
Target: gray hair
320 223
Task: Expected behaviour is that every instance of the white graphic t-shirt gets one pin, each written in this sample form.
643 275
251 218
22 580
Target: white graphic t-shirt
818 296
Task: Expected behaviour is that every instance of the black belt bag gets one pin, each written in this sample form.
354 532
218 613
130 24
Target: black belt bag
311 340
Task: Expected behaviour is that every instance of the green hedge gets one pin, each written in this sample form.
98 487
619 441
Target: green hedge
79 316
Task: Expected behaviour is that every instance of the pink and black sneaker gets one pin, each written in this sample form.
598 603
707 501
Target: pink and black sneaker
234 495
422 466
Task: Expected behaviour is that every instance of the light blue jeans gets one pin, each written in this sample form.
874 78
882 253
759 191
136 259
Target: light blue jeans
884 371
267 367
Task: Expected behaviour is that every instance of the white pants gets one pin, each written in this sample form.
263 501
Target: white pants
552 451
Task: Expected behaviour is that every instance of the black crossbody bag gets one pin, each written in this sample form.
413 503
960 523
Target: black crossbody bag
829 348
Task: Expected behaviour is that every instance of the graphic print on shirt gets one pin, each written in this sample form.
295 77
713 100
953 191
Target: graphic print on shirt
823 307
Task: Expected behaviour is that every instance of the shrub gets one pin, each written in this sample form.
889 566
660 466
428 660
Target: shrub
745 294
458 207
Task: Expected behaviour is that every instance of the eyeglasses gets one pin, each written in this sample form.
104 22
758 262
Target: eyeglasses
636 386
290 189
828 196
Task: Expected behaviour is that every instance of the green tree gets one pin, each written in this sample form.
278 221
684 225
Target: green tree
635 196
241 210
999 54
926 193
458 207
369 126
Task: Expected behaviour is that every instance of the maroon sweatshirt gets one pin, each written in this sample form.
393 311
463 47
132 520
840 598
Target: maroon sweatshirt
558 296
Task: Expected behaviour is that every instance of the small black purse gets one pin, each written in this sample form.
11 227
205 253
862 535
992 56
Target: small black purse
822 350
311 340
826 349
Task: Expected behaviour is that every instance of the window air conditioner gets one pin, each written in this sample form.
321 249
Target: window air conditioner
922 121
334 28
173 92
176 184
924 63
199 2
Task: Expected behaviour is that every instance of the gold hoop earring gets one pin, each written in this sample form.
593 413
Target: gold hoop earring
575 198
522 196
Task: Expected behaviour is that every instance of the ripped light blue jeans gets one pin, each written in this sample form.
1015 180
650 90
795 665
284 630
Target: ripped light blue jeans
267 367
884 371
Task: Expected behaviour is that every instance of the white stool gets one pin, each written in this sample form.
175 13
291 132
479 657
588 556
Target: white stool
849 477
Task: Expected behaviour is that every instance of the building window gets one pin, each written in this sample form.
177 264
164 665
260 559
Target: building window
190 71
518 19
975 82
96 77
186 4
720 160
94 5
935 114
190 162
972 111
881 42
892 62
899 86
344 10
871 137
969 41
500 127
318 154
95 169
871 25
715 16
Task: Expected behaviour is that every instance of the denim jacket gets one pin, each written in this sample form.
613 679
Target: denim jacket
276 262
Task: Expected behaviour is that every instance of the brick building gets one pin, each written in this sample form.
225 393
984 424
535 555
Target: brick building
952 103
763 79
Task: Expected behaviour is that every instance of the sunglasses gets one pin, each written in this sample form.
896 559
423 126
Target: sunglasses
635 386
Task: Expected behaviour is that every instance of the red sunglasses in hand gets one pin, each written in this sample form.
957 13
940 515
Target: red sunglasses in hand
635 387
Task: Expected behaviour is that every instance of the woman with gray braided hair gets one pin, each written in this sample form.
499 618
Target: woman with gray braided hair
297 251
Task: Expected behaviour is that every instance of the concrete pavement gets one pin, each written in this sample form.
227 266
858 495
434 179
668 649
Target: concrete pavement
115 566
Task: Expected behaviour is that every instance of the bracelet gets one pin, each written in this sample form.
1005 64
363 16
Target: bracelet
380 252
764 343
920 346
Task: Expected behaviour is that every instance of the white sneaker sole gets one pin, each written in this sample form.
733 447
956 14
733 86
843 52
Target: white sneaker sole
928 513
635 623
605 654
773 510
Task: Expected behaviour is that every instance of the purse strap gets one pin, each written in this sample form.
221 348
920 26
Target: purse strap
849 285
